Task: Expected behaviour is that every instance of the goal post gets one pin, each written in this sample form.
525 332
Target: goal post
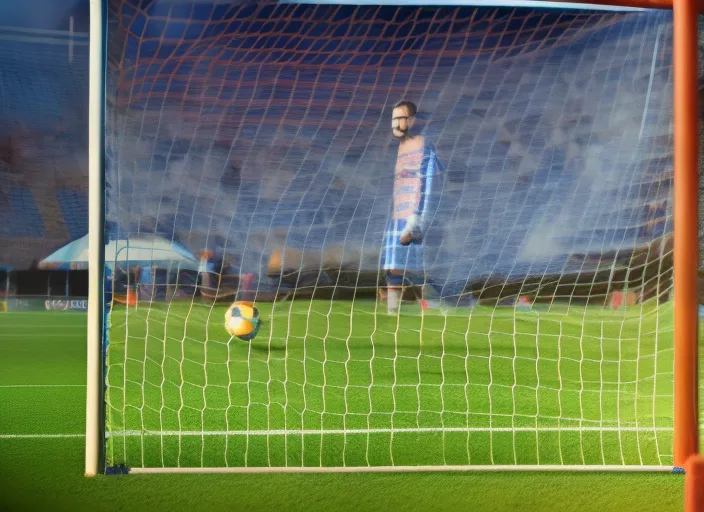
95 419
686 264
253 141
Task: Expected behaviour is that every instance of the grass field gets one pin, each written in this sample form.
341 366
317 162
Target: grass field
336 384
311 375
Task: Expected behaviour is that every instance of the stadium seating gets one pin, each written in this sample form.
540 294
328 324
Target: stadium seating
19 215
307 188
74 208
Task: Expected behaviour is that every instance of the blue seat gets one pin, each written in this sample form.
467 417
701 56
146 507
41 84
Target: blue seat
74 209
19 215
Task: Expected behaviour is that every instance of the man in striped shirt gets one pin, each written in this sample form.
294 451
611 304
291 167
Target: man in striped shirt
418 185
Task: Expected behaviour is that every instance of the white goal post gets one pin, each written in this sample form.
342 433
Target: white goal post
96 208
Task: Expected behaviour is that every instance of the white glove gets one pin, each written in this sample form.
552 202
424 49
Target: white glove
412 226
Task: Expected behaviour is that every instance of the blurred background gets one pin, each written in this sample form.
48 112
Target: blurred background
286 168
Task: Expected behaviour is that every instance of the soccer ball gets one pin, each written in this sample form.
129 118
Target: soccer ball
242 320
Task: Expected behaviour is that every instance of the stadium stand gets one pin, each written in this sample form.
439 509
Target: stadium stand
184 184
42 143
74 205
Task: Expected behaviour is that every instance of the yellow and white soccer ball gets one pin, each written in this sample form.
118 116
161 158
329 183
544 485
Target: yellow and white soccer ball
242 320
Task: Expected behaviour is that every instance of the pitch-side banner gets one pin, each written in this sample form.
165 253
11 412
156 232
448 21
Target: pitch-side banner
43 304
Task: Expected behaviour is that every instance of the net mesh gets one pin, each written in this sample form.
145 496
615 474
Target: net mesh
256 142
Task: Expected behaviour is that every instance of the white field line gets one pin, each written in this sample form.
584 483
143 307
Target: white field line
406 469
367 431
41 436
42 386
191 433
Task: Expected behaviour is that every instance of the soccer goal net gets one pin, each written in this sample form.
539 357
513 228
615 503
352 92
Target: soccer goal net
279 154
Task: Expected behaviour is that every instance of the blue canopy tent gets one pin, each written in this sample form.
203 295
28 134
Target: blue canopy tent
125 253
144 251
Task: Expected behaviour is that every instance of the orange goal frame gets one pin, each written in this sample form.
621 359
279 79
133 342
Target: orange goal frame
686 215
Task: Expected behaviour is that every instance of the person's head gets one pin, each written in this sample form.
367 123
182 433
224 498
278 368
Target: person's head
403 118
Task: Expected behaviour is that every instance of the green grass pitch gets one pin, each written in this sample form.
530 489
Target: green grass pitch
339 384
42 410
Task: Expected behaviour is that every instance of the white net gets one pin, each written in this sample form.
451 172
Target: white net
255 143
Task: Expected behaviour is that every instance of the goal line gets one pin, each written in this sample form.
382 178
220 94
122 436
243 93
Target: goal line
414 469
366 431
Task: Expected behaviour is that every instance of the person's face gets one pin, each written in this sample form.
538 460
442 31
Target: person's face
401 122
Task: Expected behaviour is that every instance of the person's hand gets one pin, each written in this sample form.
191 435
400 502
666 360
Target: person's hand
409 238
411 231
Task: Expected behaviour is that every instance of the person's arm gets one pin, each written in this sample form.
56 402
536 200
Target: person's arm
428 198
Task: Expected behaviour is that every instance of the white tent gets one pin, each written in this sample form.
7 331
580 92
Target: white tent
142 251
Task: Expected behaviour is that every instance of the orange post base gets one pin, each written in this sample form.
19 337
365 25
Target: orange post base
694 484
